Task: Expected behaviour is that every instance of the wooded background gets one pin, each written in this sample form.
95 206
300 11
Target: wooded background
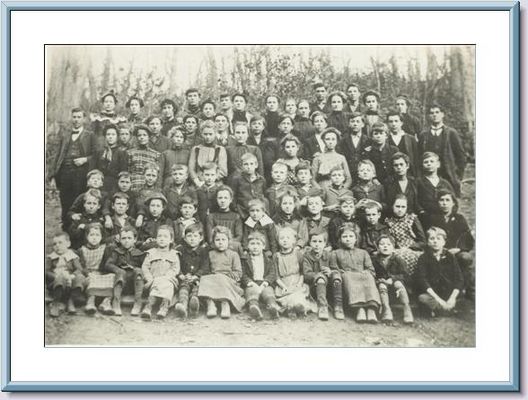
72 80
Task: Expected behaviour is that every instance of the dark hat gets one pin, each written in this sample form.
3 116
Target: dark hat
109 93
156 196
141 103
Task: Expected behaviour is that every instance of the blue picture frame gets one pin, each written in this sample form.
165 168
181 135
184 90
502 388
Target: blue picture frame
7 384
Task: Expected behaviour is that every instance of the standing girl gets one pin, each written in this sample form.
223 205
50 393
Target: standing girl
139 157
338 118
324 162
272 115
303 124
192 137
290 148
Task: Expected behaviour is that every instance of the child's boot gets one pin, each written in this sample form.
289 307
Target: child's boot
211 308
181 305
194 306
322 304
164 309
361 316
337 287
90 306
254 310
116 306
138 294
71 307
386 314
147 310
105 307
371 316
408 317
225 311
274 310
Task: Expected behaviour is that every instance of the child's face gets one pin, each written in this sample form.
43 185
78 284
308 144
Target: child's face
241 134
347 208
365 172
239 104
151 176
187 210
142 137
372 103
91 205
208 135
208 110
285 126
272 104
372 216
135 107
399 208
436 242
249 166
257 127
221 242
286 240
155 126
446 204
156 207
109 104
178 138
223 198
401 106
120 206
379 136
348 239
209 176
279 174
353 93
127 240
164 238
319 123
111 137
287 205
356 124
60 245
190 125
430 164
167 111
304 109
221 123
291 148
94 237
290 107
124 135
193 98
193 239
385 247
314 205
255 247
95 181
304 176
337 103
394 123
318 243
124 184
400 167
225 103
256 213
330 141
337 177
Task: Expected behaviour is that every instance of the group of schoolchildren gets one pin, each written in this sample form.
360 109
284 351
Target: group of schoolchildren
324 207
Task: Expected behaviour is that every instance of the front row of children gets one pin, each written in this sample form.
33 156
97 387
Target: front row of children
194 274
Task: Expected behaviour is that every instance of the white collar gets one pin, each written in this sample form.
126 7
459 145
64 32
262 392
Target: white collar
265 220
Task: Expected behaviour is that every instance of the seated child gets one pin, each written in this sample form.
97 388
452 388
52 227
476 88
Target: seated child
150 187
221 282
120 218
206 193
125 263
292 293
91 213
314 210
259 221
178 154
371 228
160 269
367 188
407 231
235 153
63 274
194 257
154 218
357 273
177 188
345 214
279 176
439 277
206 153
258 277
317 274
247 185
123 185
335 190
288 216
391 272
324 162
225 217
460 241
290 146
93 255
187 212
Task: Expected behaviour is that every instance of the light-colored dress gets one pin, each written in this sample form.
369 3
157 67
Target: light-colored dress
289 271
98 284
160 269
358 276
323 164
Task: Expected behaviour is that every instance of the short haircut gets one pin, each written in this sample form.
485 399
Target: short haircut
303 101
279 164
123 174
435 105
194 228
286 116
318 114
152 118
221 230
430 154
436 231
255 235
287 230
256 203
290 138
356 114
187 200
151 167
207 125
94 172
218 115
385 236
128 228
315 193
398 155
124 125
369 163
167 228
120 195
78 110
62 234
318 85
318 232
95 193
350 227
400 196
393 113
372 204
94 225
225 188
179 167
346 199
379 127
352 85
209 166
338 167
303 165
240 123
224 95
192 90
248 156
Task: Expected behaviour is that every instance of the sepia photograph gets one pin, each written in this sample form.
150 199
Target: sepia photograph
260 196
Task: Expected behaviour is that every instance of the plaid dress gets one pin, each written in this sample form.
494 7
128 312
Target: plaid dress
137 160
98 284
402 231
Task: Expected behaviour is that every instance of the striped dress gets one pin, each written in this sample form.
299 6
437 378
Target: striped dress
137 159
98 284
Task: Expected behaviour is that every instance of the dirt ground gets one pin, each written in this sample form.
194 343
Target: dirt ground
241 331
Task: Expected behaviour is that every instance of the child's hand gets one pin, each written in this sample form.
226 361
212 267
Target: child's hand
82 226
264 285
454 250
108 222
80 161
139 221
326 271
251 284
451 303
198 183
76 217
389 281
